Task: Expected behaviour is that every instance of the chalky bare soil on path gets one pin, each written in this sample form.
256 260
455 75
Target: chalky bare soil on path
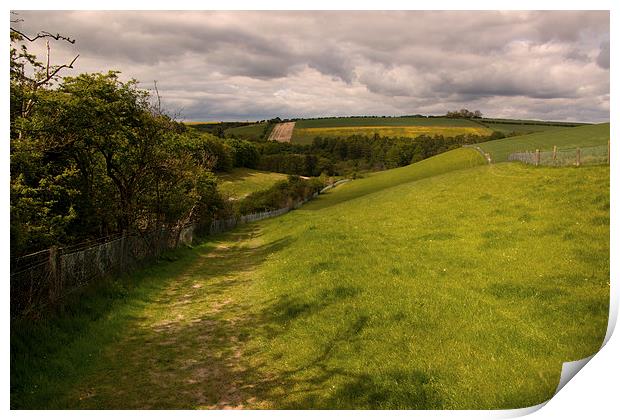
184 347
282 132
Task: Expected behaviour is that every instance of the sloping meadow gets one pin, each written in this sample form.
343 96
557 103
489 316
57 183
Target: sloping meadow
466 290
447 284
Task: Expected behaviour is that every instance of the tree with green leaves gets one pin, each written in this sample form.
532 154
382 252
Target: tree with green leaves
91 156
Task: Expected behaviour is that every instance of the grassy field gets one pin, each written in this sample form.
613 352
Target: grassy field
250 132
535 122
241 182
564 138
520 128
418 287
306 130
306 135
524 126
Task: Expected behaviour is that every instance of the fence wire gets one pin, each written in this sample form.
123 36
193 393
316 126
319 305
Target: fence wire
44 278
41 279
595 155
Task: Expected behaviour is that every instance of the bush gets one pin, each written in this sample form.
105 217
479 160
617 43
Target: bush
280 195
245 154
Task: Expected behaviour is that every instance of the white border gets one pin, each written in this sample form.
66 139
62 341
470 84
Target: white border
592 394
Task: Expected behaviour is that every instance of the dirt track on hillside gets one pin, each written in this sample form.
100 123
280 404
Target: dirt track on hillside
282 132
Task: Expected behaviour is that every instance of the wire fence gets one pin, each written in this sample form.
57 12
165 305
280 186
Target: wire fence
42 279
579 156
335 184
222 225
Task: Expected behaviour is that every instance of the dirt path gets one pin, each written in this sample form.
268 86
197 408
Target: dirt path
282 132
183 348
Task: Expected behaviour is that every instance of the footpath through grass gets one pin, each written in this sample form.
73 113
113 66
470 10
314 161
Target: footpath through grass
463 290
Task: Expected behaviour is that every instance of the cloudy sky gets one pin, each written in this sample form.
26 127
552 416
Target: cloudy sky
252 65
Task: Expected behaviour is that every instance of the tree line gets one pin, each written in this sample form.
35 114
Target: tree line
93 155
464 113
347 156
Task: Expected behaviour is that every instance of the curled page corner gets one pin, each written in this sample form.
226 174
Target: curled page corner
520 412
570 369
613 317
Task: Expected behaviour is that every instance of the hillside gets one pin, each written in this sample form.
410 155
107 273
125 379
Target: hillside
241 182
510 126
406 289
521 129
563 138
249 132
446 162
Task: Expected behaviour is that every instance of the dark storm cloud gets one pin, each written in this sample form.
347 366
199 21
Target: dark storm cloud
244 65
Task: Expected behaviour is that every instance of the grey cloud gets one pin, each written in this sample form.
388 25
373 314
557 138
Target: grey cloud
603 56
258 64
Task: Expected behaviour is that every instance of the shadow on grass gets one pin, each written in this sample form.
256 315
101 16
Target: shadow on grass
201 363
51 355
307 386
182 342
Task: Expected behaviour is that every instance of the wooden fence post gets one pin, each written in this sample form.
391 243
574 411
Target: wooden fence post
122 259
555 153
55 288
578 157
537 157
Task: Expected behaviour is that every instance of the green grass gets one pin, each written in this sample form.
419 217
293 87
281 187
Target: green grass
461 158
564 138
241 182
520 128
306 130
418 287
249 132
535 122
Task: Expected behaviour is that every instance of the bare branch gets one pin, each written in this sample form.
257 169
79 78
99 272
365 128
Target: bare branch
44 34
158 97
17 19
55 72
47 67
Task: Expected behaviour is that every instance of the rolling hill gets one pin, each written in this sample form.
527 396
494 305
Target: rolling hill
448 284
249 132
